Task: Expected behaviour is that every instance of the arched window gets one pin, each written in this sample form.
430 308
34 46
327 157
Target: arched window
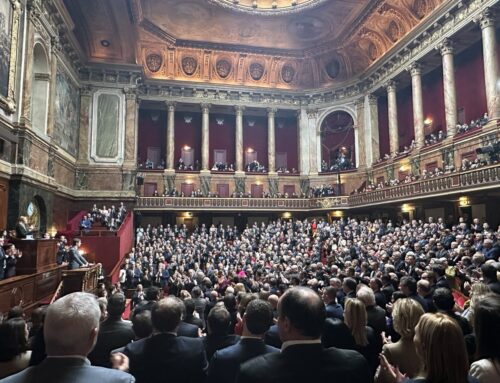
337 142
40 93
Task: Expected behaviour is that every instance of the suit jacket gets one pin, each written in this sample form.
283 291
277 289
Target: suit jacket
212 343
272 337
225 363
188 329
306 363
21 230
167 358
3 257
113 334
376 318
75 259
68 370
334 310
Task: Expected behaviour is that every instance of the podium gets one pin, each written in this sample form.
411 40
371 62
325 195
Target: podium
38 255
83 279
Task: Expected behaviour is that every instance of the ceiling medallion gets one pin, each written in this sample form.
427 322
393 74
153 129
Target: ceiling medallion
189 65
393 31
256 71
154 62
267 7
333 68
223 68
287 73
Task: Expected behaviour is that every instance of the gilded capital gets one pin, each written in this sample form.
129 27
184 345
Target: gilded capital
446 47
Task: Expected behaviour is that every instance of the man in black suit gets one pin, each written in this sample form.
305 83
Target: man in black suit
114 332
70 331
408 287
225 363
375 315
272 337
302 358
166 357
22 228
490 277
218 326
333 309
74 258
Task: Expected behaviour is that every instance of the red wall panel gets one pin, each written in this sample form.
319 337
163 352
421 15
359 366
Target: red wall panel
405 117
255 137
286 138
151 133
335 136
222 137
383 126
187 133
433 95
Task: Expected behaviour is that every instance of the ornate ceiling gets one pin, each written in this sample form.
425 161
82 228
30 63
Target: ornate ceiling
262 43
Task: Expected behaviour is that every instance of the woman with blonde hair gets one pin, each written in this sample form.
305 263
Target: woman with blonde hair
406 313
440 346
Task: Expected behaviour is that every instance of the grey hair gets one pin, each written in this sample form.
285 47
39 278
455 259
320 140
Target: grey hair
69 323
366 295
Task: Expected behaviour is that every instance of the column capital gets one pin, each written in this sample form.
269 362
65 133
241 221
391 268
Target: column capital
486 19
86 90
239 109
372 99
359 102
312 113
170 105
391 86
205 107
130 93
271 112
446 47
415 69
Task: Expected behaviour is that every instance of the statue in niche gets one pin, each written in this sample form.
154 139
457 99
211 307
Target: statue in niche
415 166
24 152
128 181
304 186
81 180
240 184
205 185
273 186
390 172
169 182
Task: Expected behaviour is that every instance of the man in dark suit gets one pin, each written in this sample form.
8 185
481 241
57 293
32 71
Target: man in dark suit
218 326
114 332
302 358
70 331
272 337
375 315
74 258
225 363
490 277
333 309
22 228
166 357
3 258
408 287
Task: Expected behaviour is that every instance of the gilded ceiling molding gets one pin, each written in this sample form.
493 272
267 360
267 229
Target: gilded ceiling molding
266 8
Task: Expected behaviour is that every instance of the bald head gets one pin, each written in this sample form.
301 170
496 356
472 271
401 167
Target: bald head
273 300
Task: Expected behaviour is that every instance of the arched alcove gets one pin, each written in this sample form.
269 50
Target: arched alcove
40 93
37 214
337 142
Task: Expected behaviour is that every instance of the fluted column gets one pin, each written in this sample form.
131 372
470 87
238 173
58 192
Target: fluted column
487 22
418 103
170 135
359 133
204 136
239 137
271 145
392 106
450 95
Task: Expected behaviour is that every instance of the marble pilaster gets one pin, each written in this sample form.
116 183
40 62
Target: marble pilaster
303 141
418 104
359 133
490 55
392 107
54 48
271 145
372 133
131 126
205 136
170 135
314 144
450 96
83 138
28 67
239 138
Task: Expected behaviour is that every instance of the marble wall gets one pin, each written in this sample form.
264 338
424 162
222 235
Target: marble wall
5 32
67 106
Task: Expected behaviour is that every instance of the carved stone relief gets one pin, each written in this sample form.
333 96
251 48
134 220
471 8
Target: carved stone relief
239 184
256 71
189 65
154 62
223 68
287 73
81 180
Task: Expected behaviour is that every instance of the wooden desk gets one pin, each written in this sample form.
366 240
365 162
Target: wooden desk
38 254
83 279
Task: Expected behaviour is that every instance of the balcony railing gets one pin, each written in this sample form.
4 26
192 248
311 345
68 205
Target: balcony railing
458 182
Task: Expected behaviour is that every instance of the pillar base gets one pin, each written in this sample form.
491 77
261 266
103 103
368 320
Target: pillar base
169 171
239 174
272 174
205 172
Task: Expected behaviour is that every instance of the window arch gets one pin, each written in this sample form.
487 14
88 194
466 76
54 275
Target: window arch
337 142
40 93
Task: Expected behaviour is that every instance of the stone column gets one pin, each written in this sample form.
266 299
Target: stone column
55 48
359 133
372 133
450 95
130 158
83 132
418 104
239 137
392 107
487 22
170 149
33 19
271 146
314 143
303 141
205 136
